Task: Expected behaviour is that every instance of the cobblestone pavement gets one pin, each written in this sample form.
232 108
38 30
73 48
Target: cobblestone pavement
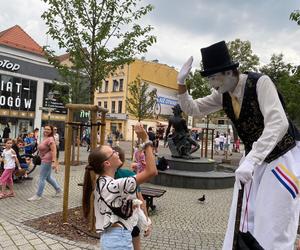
180 221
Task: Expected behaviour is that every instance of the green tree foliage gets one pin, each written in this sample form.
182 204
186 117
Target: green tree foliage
141 101
277 68
295 16
77 85
287 79
197 85
289 87
99 35
241 52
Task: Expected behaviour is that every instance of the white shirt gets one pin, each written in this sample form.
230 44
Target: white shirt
222 138
56 139
228 139
9 158
275 120
217 141
114 192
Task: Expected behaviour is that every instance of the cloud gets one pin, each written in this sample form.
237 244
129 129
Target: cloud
183 27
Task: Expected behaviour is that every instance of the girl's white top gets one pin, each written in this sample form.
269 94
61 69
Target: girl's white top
8 157
114 192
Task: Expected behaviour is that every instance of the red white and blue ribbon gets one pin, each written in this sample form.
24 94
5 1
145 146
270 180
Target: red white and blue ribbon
287 179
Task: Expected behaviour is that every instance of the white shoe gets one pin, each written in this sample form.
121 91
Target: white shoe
58 194
34 198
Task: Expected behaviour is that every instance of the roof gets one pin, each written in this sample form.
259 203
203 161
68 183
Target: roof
64 57
16 37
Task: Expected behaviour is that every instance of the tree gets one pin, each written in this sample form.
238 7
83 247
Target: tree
197 85
99 35
289 87
141 101
287 80
241 52
295 16
276 68
77 84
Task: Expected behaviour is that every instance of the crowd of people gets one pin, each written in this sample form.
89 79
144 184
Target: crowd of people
17 155
268 174
223 142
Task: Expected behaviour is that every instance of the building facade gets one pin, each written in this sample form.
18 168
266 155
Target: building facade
114 92
27 99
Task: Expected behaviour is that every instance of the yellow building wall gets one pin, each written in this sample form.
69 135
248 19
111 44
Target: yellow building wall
152 72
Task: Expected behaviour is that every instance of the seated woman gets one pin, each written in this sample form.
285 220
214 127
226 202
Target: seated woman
113 198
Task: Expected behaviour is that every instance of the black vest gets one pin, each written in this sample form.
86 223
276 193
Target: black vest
250 123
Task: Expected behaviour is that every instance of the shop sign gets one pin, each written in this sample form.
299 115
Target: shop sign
166 101
54 98
16 93
116 116
6 64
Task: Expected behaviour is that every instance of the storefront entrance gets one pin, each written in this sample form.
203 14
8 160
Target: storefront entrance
24 127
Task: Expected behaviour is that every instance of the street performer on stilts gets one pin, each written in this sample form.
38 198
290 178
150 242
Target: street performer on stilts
270 167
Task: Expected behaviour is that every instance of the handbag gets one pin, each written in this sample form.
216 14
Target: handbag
37 160
246 241
20 172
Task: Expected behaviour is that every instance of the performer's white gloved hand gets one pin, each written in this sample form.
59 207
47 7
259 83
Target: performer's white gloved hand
245 171
184 71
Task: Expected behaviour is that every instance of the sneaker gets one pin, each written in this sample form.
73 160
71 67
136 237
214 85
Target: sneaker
34 198
57 193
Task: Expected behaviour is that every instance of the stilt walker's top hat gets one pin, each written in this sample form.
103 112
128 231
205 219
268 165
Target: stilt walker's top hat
216 58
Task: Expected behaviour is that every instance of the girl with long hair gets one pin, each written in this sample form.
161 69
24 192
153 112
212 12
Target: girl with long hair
47 152
113 197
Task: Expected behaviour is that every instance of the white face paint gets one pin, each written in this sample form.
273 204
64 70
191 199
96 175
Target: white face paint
223 82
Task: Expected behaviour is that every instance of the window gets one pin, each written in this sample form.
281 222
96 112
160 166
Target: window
106 86
99 104
115 85
105 104
113 106
121 85
120 107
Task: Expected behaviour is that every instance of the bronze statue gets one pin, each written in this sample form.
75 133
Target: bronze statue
180 142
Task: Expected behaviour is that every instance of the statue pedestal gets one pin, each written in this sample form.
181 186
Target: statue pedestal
227 161
200 173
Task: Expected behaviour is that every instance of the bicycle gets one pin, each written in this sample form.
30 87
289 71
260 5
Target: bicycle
156 106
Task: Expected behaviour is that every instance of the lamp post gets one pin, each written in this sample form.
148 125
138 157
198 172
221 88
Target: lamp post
49 110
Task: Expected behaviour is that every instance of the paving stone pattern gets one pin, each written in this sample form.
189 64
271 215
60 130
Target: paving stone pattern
180 221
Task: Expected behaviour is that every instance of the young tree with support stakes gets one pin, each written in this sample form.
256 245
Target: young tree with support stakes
99 35
141 101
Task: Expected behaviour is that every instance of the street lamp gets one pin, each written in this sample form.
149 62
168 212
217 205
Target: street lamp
49 110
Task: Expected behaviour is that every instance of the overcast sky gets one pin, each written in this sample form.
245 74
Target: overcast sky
183 27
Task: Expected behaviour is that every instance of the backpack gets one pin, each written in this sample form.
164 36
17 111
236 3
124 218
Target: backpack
162 164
